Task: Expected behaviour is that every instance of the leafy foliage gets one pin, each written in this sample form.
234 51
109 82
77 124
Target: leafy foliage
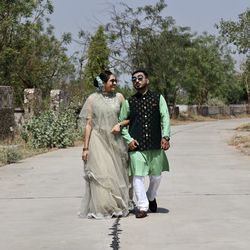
30 55
238 34
126 90
98 59
9 155
208 68
50 130
175 59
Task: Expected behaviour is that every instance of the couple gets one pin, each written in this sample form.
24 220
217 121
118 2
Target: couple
141 122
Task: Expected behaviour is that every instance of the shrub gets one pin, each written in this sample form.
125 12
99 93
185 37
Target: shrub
215 102
51 130
9 155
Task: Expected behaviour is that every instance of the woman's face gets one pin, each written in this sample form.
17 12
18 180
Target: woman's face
110 85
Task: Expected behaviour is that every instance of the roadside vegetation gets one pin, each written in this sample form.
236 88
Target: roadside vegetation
37 136
16 150
47 131
241 139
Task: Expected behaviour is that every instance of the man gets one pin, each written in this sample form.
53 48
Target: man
147 138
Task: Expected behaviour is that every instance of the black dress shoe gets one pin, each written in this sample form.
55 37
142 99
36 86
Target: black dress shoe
153 206
141 214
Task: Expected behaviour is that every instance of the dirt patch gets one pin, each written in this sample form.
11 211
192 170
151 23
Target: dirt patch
241 139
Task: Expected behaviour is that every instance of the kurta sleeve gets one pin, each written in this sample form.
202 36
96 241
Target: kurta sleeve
165 119
124 115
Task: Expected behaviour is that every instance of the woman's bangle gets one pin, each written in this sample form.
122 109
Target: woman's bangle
85 149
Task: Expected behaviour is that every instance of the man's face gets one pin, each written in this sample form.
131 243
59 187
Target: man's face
139 80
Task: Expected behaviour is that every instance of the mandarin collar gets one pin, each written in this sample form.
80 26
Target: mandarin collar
138 94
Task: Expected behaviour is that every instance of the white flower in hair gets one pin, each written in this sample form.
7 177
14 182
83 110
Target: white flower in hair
99 83
99 80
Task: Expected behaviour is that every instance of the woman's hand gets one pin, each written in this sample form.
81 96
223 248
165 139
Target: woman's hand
116 129
87 134
85 154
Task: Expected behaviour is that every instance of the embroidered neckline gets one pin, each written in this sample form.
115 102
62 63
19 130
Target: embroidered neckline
108 95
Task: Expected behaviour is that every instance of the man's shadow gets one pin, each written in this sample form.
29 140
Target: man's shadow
160 210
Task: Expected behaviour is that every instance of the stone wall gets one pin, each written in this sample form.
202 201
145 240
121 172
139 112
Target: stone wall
10 117
229 110
248 108
238 109
57 99
19 117
32 102
7 121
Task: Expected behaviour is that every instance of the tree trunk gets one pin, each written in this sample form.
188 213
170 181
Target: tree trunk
248 93
174 112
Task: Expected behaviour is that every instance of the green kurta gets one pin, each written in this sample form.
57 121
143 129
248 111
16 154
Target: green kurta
148 162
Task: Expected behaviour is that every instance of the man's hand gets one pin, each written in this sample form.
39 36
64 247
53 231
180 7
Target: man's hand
133 145
165 145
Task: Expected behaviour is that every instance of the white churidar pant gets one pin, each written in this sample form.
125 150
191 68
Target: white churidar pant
141 195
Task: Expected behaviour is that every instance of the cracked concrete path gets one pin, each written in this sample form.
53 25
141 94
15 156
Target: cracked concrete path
203 201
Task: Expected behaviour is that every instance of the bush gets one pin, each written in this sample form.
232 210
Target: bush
9 155
215 102
51 130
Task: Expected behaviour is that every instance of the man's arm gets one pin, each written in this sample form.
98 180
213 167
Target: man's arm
124 115
165 119
165 122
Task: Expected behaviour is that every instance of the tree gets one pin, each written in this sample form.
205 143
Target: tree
30 55
176 59
143 38
245 77
209 67
164 55
238 34
128 30
98 59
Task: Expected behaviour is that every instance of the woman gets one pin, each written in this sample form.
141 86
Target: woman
104 152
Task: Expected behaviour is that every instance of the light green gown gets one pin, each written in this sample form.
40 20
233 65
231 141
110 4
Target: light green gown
106 171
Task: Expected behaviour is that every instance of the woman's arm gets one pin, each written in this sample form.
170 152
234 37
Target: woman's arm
87 134
117 128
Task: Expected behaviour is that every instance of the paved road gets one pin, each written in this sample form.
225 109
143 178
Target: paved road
204 202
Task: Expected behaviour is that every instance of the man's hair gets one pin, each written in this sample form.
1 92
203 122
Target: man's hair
142 71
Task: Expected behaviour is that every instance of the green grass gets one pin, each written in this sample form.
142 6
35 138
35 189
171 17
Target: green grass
14 150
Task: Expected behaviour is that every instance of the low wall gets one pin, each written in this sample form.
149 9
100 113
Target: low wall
205 110
7 123
19 117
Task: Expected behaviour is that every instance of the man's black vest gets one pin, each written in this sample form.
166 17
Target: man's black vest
145 120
